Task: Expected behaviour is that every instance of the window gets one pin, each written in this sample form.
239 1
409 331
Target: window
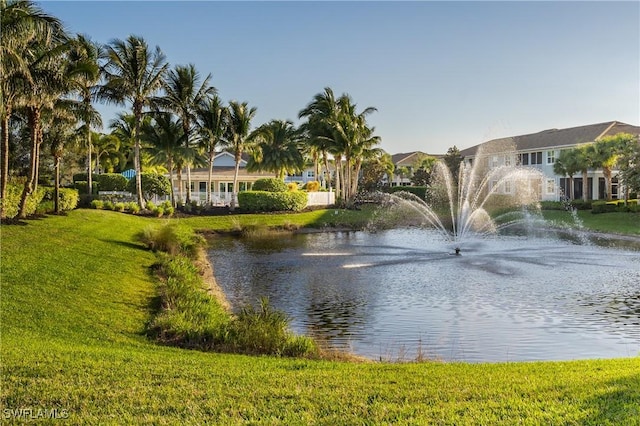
551 186
524 159
494 161
202 186
536 157
551 157
507 187
310 173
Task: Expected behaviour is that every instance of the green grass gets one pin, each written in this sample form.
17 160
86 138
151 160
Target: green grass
75 299
618 223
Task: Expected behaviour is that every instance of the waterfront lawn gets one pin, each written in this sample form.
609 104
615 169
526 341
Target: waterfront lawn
77 293
615 222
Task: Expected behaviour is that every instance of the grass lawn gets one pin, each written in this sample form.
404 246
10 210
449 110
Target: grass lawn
617 223
77 292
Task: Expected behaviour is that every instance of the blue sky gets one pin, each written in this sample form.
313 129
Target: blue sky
439 73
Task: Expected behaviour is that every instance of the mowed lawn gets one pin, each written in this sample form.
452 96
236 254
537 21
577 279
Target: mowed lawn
77 292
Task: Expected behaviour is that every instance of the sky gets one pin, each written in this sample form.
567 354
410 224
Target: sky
439 73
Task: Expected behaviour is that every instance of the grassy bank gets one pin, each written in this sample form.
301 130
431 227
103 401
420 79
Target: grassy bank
617 223
76 297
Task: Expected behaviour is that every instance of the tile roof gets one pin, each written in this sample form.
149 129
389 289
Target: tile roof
555 138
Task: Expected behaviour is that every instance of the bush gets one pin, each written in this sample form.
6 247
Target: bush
312 186
97 204
552 205
150 205
112 182
292 186
108 205
269 185
158 211
119 207
582 205
69 199
261 201
603 207
133 207
11 202
152 184
418 191
172 239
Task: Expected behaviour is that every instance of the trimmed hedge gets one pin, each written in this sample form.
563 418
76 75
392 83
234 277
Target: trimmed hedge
615 206
112 182
11 202
83 177
152 184
269 185
419 191
262 201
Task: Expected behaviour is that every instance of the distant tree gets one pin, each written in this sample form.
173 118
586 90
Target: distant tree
567 165
453 159
374 170
212 120
133 74
629 163
605 156
277 149
240 116
421 177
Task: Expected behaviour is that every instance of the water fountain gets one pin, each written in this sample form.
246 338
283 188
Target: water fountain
508 295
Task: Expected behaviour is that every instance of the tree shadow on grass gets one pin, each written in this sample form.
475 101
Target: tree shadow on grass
126 244
619 405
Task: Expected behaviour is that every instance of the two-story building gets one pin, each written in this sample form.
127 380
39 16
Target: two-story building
540 151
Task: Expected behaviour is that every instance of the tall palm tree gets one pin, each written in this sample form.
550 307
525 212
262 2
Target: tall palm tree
277 149
123 128
84 56
133 73
22 22
605 156
48 81
319 113
240 116
108 152
584 158
182 96
165 136
212 119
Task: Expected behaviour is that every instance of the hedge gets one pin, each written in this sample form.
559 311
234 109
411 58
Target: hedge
112 182
263 201
269 185
11 202
69 198
152 184
419 191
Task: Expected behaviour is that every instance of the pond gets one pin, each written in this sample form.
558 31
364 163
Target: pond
403 293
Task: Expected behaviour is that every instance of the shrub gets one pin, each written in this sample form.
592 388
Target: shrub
312 186
82 177
292 186
150 205
172 239
152 184
419 191
119 207
603 207
552 205
11 202
108 205
581 204
269 185
97 204
158 211
112 182
261 201
133 207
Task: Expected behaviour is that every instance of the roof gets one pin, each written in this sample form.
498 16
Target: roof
557 138
409 158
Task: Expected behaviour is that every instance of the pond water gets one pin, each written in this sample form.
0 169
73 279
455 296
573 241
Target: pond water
395 294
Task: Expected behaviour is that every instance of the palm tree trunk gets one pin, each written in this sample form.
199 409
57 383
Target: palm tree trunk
571 190
232 205
89 168
585 186
180 193
607 183
136 156
358 167
328 170
56 190
209 189
5 158
172 194
34 122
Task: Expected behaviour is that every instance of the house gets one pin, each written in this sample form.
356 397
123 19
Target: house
404 164
540 150
222 182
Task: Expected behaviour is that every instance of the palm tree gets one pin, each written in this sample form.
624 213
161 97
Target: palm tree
211 121
182 96
133 74
319 113
84 56
240 116
605 156
48 81
165 137
584 157
22 22
277 149
108 152
567 165
123 128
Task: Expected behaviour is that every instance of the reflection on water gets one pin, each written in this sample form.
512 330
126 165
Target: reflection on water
382 294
